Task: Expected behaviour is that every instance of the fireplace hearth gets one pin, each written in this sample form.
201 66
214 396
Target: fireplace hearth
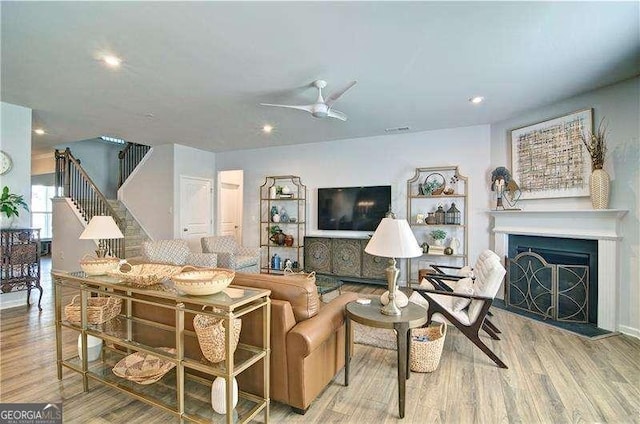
601 226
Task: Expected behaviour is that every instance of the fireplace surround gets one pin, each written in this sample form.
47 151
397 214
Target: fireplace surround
601 225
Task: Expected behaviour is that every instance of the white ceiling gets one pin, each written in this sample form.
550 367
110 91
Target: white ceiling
201 68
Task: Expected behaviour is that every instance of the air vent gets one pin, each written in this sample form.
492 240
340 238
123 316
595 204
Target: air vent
397 129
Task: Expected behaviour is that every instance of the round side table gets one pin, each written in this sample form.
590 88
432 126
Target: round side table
412 316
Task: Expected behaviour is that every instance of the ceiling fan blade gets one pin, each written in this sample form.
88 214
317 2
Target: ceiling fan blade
306 108
336 114
333 97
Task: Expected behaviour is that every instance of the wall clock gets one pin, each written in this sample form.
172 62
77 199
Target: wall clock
5 162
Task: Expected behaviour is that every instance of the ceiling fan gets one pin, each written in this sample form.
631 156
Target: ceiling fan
322 107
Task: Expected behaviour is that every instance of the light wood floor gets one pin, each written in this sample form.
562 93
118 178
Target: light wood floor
553 377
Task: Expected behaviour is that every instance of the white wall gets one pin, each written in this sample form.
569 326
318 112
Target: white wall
190 162
619 104
385 160
66 247
15 139
100 160
43 164
149 192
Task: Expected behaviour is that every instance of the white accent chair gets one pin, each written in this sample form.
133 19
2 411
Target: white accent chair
176 252
467 306
231 255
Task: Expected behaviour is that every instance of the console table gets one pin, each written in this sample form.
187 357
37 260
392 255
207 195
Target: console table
344 258
183 391
20 256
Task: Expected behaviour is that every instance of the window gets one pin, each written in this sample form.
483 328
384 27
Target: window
41 216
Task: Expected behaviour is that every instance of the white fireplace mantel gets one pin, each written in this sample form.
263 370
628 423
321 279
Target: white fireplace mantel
602 225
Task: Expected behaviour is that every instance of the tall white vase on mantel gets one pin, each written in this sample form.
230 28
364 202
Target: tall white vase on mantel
599 183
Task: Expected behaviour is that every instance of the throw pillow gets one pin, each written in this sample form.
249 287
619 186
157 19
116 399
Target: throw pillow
465 271
424 284
464 286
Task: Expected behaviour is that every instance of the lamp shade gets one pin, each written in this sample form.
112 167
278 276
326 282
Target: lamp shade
393 239
101 227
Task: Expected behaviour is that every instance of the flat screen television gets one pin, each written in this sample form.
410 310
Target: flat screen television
352 208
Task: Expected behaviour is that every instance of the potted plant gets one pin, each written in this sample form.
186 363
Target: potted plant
595 143
11 203
438 237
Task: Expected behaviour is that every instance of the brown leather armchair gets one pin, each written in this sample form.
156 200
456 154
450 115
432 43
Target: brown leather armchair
307 337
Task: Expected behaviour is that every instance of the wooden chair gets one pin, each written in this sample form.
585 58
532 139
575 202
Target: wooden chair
446 306
445 276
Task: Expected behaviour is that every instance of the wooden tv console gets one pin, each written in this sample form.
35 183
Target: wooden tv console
344 258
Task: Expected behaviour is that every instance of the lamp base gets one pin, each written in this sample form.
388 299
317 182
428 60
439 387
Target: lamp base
392 276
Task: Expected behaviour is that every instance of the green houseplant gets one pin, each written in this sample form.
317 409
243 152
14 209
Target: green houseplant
11 203
438 236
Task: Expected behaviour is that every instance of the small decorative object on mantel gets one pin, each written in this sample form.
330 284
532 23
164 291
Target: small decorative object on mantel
599 181
420 218
506 189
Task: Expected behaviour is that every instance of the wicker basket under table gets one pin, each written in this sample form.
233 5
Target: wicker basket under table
425 355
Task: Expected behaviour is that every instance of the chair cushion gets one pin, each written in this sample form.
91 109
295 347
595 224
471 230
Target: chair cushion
246 261
172 252
216 244
489 275
463 286
444 301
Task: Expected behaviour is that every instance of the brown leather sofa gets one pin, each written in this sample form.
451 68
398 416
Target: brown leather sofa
307 338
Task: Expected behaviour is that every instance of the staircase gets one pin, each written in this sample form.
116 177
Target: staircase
134 235
73 182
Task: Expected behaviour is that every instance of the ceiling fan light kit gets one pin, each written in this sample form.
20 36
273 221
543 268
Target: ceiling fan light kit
322 107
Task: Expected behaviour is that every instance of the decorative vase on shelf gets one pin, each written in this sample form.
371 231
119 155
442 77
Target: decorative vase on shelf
599 188
438 242
218 394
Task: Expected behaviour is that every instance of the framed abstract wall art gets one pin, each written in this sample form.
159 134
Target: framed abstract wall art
549 159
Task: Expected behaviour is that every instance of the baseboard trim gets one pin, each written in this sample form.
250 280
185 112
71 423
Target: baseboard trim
629 331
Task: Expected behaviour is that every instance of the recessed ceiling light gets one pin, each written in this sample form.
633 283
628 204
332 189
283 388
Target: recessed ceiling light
476 100
267 129
39 131
112 61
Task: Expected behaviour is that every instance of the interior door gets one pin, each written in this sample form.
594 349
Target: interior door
229 210
230 203
196 218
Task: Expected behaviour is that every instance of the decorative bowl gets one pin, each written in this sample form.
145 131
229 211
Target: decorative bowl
203 281
146 274
144 368
98 266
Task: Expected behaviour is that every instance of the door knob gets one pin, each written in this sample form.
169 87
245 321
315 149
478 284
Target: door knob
185 230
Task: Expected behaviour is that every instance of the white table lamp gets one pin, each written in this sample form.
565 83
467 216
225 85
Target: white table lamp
393 239
100 228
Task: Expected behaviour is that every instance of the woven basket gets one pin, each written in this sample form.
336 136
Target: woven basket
98 266
146 274
425 355
211 336
203 281
99 309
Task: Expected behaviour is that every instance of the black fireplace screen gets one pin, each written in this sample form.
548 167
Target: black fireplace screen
555 291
